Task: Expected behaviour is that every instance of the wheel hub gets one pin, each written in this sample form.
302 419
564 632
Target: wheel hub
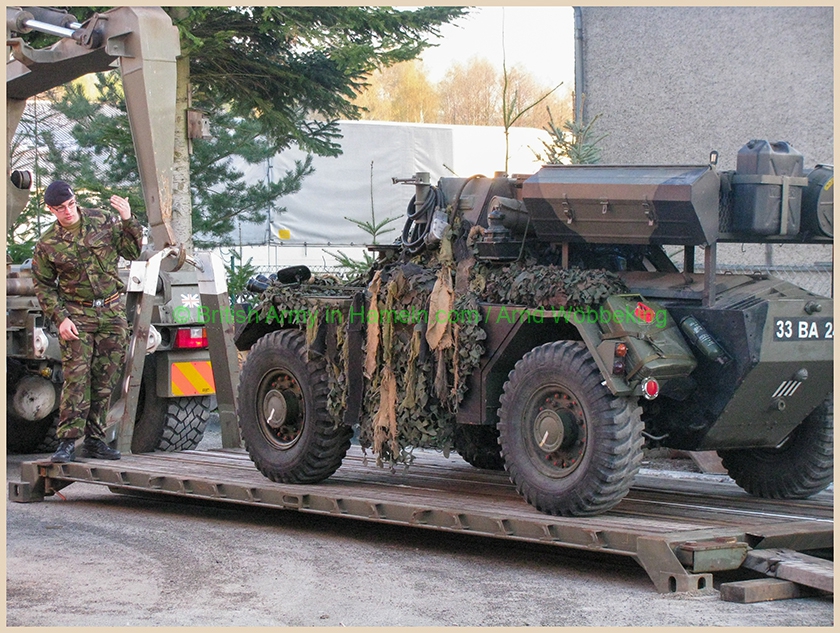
34 398
282 410
553 430
276 409
558 432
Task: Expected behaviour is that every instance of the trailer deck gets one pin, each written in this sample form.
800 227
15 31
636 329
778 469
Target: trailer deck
679 529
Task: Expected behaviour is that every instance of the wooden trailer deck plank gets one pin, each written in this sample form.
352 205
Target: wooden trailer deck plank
650 524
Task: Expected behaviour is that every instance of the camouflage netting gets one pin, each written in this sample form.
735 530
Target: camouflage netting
547 286
423 335
415 367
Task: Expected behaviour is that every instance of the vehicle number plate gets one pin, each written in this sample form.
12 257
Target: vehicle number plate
816 329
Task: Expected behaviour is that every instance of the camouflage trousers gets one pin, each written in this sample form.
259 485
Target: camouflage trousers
92 366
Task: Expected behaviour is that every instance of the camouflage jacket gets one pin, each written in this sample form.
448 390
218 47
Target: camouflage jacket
70 267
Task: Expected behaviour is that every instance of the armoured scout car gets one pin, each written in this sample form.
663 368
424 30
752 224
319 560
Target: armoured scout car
537 325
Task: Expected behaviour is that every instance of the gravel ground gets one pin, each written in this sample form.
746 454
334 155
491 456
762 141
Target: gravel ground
104 559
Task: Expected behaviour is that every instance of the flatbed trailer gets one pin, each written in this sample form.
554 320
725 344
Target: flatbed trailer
679 530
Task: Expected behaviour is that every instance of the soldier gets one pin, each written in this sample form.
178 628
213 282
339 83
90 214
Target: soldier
79 288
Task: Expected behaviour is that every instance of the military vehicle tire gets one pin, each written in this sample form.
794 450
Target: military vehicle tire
570 446
801 467
25 436
478 444
167 424
49 443
282 411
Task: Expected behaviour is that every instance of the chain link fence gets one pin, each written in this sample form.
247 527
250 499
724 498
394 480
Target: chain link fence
320 271
817 278
808 266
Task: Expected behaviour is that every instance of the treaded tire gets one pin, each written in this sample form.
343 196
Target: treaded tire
25 436
167 424
283 414
801 467
478 444
570 446
49 443
186 421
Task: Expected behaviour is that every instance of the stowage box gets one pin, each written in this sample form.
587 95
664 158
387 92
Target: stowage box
624 204
767 188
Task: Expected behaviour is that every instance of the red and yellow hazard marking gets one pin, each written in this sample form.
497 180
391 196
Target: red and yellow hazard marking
194 378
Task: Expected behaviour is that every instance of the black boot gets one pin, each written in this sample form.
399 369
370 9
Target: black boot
66 452
95 448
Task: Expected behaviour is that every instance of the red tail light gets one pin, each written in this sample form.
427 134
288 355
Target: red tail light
650 388
190 338
619 366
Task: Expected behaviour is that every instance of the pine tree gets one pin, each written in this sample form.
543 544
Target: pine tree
287 73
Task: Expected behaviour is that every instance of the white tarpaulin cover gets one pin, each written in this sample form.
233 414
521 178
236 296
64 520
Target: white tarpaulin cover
373 153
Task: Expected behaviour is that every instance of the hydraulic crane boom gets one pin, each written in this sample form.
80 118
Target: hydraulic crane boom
143 44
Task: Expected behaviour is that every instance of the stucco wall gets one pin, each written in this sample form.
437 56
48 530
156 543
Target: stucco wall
673 83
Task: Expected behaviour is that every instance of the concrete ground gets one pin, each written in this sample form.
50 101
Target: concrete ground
96 558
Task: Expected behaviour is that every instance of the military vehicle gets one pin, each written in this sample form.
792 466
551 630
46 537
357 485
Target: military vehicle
535 323
176 393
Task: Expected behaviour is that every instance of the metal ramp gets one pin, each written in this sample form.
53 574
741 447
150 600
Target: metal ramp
680 531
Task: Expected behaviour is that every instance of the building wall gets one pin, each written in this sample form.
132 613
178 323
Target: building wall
673 83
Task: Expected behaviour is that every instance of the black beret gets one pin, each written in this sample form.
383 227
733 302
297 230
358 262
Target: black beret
57 193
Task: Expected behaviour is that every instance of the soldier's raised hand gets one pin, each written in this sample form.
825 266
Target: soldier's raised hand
122 206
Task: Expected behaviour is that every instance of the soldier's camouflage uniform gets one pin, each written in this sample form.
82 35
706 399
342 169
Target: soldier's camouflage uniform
74 271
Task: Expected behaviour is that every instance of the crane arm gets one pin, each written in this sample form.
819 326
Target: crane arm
144 45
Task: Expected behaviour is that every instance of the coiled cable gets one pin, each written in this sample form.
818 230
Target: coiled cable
419 220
